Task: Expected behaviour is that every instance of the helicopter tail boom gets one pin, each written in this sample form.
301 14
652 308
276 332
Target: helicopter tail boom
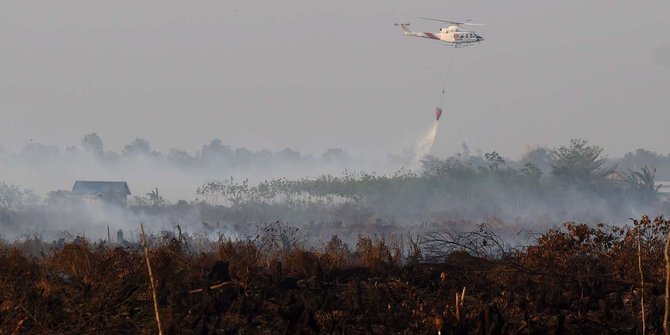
408 32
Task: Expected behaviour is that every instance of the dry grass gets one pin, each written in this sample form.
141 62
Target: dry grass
577 279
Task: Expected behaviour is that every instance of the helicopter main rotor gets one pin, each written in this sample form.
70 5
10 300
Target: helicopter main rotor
464 23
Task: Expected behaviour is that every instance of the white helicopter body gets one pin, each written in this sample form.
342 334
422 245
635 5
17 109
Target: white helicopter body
452 35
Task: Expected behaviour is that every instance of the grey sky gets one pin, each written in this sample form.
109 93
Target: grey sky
312 75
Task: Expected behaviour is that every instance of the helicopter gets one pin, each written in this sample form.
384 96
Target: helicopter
452 35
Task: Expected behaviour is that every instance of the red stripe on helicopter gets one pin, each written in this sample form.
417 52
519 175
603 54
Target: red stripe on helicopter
431 35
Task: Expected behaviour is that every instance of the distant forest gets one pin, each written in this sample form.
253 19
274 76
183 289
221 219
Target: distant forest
218 154
574 178
214 153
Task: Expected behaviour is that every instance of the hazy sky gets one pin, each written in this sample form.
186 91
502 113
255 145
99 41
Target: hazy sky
312 74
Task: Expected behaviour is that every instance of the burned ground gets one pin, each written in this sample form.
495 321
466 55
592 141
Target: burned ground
576 279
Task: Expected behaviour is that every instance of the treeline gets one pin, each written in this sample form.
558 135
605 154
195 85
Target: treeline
577 177
215 153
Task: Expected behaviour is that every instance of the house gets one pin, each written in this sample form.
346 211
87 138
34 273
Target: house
109 192
616 177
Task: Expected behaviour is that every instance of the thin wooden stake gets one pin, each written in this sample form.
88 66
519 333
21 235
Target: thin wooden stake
639 263
667 285
151 281
458 308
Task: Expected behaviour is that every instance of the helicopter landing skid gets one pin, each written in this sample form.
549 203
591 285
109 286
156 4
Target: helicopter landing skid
461 45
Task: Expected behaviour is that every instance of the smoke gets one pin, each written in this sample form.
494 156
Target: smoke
44 168
424 145
462 191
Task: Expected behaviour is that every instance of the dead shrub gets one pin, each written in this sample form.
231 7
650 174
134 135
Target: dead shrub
277 238
74 260
301 262
375 253
336 255
243 256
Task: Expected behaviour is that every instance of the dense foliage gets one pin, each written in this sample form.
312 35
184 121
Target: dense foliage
577 172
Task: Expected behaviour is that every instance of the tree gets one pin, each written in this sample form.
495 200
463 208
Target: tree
243 157
494 161
531 172
215 150
579 164
12 198
640 157
637 159
288 154
430 165
229 189
642 183
93 144
263 157
539 157
155 199
180 158
139 147
335 155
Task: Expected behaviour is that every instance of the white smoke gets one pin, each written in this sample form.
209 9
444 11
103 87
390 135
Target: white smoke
424 145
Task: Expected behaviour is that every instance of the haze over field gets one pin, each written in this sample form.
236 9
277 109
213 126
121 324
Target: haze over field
227 190
332 104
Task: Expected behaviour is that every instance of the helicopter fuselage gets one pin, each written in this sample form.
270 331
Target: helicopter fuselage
452 35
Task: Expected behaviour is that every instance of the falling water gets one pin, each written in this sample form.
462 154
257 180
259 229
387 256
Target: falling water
424 145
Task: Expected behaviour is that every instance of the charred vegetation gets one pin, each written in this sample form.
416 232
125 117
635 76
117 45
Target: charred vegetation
572 279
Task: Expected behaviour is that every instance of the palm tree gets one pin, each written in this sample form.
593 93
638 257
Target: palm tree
642 182
154 198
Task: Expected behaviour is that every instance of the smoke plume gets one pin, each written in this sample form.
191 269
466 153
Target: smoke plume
424 145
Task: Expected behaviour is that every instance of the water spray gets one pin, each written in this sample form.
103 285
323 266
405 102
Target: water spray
425 144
